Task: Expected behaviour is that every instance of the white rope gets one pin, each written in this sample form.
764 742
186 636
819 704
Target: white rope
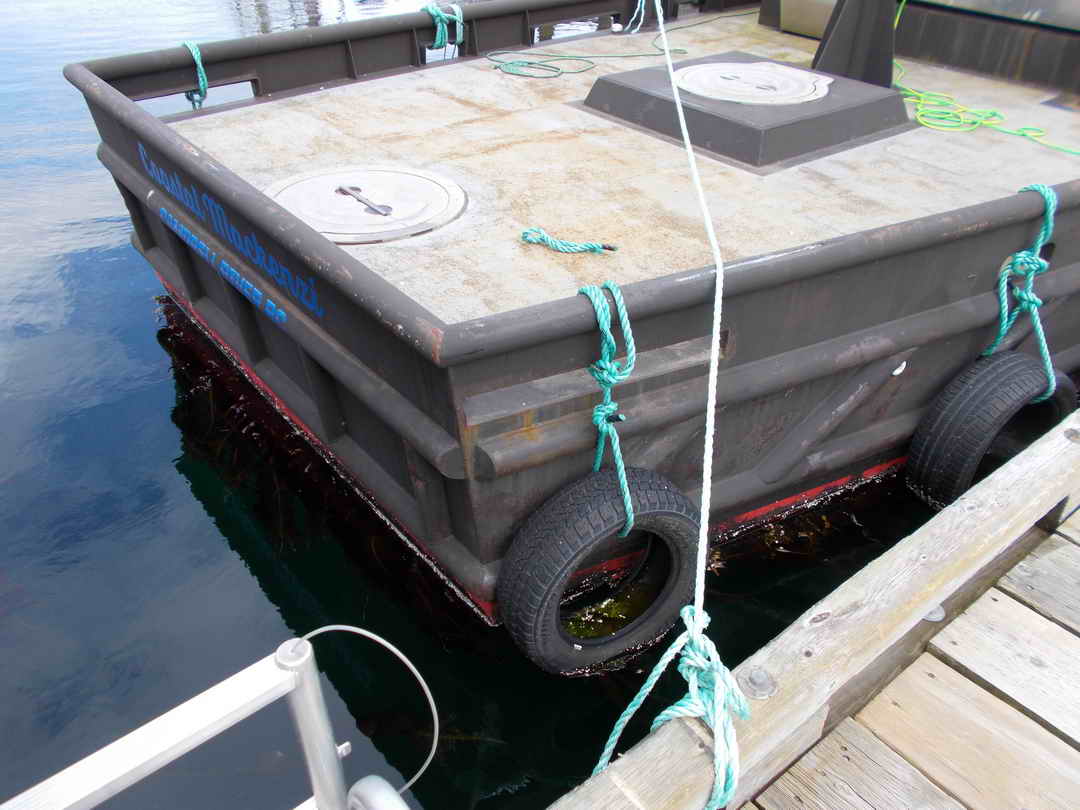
714 345
724 738
712 693
348 628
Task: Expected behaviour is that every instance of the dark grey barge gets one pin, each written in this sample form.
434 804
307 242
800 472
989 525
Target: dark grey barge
440 363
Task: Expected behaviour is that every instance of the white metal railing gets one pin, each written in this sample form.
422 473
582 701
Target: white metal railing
290 672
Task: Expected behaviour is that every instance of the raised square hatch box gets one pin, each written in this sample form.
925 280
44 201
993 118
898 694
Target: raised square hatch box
751 109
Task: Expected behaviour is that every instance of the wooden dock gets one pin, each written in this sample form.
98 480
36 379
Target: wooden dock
946 674
987 717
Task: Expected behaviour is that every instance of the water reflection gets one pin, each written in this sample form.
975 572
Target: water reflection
264 16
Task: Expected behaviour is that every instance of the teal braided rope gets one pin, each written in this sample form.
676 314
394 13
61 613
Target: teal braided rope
609 372
197 97
545 68
442 20
538 236
712 694
1026 265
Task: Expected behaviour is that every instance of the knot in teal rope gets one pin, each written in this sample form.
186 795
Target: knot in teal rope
712 695
1026 300
198 96
538 236
1025 266
1026 263
442 20
608 372
605 413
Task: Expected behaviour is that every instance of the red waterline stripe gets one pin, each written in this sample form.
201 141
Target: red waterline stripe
880 469
610 565
810 494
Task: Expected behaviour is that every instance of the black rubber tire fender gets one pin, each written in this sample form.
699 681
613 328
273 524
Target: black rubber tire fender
557 537
973 412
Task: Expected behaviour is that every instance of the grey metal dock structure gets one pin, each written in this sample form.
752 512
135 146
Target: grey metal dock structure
943 675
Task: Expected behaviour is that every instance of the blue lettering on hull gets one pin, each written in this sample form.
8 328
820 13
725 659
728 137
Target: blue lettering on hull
207 209
263 303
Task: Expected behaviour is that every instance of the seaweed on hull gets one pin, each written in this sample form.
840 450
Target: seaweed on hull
322 556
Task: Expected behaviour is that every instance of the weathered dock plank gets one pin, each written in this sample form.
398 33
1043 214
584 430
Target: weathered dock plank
1070 529
661 780
1048 581
851 769
1017 654
848 646
975 746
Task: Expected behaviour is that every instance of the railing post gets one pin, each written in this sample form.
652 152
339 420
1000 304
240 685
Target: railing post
313 724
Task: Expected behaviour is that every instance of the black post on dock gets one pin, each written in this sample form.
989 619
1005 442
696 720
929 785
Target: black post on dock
858 41
770 13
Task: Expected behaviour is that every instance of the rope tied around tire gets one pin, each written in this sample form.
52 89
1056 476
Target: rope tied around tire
197 96
712 695
441 19
1026 265
609 372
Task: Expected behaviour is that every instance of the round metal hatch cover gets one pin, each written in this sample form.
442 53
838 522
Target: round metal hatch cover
355 205
752 82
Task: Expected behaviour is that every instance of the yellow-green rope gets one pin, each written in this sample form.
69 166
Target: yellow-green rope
944 113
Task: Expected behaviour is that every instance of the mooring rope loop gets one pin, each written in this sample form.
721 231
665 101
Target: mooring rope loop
442 20
712 693
546 67
538 236
609 372
198 96
1025 266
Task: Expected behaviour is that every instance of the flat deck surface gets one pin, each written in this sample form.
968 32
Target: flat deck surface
529 155
986 718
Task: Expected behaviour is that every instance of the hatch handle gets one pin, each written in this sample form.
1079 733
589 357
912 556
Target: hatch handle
373 208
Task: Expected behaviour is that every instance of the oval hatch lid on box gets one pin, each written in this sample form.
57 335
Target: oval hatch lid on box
355 205
752 82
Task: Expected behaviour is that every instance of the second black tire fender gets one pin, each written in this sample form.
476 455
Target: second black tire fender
981 419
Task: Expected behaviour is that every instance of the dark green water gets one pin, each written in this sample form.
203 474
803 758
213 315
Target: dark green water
161 532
